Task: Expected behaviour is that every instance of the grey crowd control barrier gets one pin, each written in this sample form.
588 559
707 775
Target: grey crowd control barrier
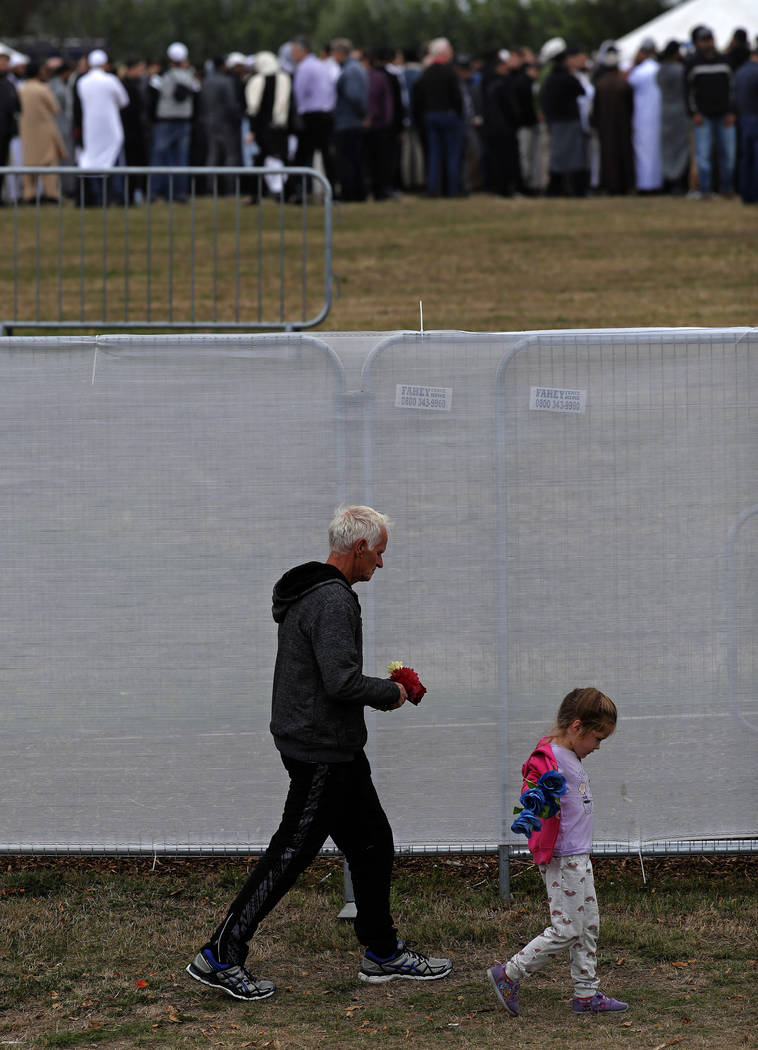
570 508
237 249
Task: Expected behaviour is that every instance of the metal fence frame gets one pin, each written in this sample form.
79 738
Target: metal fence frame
103 177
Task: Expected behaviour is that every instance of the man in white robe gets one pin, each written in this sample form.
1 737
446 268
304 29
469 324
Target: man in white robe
646 121
102 97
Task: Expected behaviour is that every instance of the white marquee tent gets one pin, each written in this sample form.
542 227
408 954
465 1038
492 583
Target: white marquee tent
722 16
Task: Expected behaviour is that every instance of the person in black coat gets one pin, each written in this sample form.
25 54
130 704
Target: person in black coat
10 107
500 123
612 116
558 99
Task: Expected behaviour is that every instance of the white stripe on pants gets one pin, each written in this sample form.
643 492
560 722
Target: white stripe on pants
575 924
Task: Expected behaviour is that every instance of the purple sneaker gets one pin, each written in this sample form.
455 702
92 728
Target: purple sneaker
505 989
597 1004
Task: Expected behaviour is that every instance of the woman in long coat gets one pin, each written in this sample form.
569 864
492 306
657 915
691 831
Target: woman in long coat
41 139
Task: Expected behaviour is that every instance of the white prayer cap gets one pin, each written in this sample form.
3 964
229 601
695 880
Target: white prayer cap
235 58
5 51
504 55
177 52
555 46
17 59
97 58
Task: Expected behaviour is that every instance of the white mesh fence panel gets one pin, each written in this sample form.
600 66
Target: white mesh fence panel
152 495
571 508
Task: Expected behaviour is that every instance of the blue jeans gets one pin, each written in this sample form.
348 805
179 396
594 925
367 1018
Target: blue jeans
444 136
726 147
749 159
171 146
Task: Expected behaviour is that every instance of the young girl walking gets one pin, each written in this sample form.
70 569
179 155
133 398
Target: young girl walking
561 850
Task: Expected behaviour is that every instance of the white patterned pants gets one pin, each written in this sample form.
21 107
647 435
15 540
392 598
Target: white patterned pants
575 923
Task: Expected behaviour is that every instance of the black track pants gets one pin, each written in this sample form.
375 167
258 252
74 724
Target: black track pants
337 799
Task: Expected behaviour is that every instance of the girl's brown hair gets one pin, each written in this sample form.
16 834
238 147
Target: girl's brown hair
594 709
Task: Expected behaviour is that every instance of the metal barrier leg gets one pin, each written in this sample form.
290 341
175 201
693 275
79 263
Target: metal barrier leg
504 873
349 910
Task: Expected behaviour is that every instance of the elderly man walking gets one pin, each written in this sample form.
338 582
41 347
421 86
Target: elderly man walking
318 725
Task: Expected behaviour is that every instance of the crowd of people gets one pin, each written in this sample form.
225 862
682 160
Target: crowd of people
379 122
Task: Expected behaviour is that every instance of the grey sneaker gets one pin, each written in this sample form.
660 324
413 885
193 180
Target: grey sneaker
234 980
505 989
406 963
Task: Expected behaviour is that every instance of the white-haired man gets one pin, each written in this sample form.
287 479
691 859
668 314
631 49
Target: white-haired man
318 725
438 109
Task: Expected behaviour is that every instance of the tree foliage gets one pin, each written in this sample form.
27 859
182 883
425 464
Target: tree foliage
210 27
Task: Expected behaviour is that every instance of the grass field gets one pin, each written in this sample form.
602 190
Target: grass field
479 264
490 264
93 956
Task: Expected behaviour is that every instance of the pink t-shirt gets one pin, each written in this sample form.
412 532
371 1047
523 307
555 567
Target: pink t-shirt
575 829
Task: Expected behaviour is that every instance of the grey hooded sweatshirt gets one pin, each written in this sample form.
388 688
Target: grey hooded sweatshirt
320 690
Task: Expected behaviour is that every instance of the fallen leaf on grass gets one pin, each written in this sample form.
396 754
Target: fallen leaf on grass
173 1015
620 962
679 964
671 1042
142 983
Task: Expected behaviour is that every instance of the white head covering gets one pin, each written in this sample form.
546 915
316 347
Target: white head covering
97 58
504 55
266 63
555 46
177 52
235 58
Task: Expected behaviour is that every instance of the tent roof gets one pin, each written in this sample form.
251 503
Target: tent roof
722 16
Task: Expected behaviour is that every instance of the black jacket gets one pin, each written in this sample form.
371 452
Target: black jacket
558 96
320 690
10 107
709 85
437 90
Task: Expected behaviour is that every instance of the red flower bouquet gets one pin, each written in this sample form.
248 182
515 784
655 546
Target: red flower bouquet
408 678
